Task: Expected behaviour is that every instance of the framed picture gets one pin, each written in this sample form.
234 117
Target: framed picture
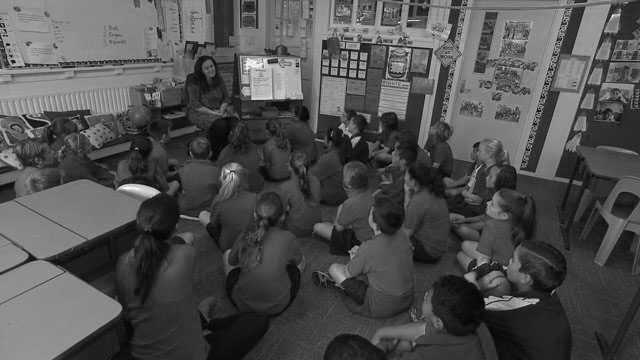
207 49
249 14
570 72
190 49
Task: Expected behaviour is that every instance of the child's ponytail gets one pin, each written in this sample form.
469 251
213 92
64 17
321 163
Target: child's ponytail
522 212
156 221
268 212
139 152
496 151
299 164
233 178
275 129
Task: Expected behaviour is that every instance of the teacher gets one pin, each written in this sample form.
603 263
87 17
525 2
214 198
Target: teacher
207 96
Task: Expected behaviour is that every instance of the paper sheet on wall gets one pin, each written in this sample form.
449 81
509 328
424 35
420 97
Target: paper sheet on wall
14 57
293 85
393 97
332 95
41 53
172 20
194 24
31 19
261 81
279 90
151 41
279 8
305 9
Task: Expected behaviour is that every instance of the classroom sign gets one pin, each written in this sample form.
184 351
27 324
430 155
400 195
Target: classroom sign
447 53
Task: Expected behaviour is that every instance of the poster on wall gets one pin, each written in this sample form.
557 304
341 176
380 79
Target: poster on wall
507 76
570 72
342 11
398 63
332 95
249 14
366 14
471 108
515 37
624 72
447 53
420 61
626 50
391 14
509 113
612 101
486 38
378 56
394 95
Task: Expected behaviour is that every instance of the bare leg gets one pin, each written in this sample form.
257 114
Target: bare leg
338 273
465 232
204 217
467 254
323 229
225 262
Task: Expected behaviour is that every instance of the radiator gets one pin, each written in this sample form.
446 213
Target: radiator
99 101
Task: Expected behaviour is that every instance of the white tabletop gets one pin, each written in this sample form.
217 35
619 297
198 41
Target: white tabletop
83 207
38 236
49 312
10 255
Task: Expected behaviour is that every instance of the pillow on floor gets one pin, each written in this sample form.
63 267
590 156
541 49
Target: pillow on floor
107 120
8 157
77 116
98 135
13 129
36 120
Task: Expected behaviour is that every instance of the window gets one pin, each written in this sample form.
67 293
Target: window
373 15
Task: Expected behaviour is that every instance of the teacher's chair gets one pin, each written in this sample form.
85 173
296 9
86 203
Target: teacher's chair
618 219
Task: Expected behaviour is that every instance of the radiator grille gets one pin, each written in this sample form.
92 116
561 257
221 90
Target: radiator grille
99 101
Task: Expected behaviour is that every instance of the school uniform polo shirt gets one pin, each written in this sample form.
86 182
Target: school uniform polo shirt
301 138
439 346
495 241
276 160
428 216
328 170
355 214
200 183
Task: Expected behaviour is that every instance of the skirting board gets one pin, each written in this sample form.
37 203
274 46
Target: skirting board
9 177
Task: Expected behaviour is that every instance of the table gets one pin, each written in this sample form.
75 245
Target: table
599 163
10 255
82 226
607 351
47 313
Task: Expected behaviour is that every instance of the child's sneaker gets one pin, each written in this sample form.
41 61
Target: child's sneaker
323 279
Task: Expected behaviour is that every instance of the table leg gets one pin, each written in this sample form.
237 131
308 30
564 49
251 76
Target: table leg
609 351
569 221
568 189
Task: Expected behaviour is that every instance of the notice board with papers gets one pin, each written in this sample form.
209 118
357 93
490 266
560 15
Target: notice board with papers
265 77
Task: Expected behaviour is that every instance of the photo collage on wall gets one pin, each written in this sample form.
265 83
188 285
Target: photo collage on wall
486 38
373 79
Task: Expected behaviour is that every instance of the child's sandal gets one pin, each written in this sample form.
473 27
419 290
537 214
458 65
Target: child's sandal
322 279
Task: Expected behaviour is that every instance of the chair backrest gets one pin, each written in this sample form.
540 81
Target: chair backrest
627 184
616 149
138 191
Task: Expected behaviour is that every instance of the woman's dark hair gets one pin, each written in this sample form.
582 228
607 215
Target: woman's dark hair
334 136
61 126
301 112
275 129
139 152
522 212
299 164
156 221
197 77
268 212
507 178
389 121
239 138
544 263
219 134
427 177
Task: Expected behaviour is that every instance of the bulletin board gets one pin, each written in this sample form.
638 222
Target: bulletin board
373 79
276 77
609 104
76 31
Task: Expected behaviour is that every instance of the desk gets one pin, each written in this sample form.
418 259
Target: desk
47 313
599 163
10 255
80 226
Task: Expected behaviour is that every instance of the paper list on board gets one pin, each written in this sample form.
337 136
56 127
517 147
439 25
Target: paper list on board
261 82
394 95
279 91
332 95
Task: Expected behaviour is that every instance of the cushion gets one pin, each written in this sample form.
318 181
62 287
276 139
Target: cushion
128 126
36 120
77 116
13 129
8 157
98 135
35 133
109 121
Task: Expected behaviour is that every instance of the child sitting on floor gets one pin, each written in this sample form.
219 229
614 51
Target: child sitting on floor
136 169
43 179
439 149
351 226
55 133
76 164
275 153
301 197
386 141
354 147
392 184
32 155
499 177
231 209
450 327
378 281
263 268
352 347
511 220
531 324
199 178
328 169
468 180
427 220
345 118
160 134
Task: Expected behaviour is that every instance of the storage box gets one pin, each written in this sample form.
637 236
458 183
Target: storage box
171 96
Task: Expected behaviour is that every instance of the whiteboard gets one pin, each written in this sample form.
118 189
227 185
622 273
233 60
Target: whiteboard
284 72
94 30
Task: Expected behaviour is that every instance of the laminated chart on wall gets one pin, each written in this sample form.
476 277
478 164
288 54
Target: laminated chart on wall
372 79
284 77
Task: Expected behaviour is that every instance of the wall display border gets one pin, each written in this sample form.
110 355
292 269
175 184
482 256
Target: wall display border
452 68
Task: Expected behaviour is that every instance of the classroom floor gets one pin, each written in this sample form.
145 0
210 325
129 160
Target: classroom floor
594 297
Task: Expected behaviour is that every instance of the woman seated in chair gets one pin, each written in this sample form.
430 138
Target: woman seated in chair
207 96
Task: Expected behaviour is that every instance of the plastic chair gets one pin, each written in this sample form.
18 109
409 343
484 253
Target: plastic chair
618 220
138 191
590 196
